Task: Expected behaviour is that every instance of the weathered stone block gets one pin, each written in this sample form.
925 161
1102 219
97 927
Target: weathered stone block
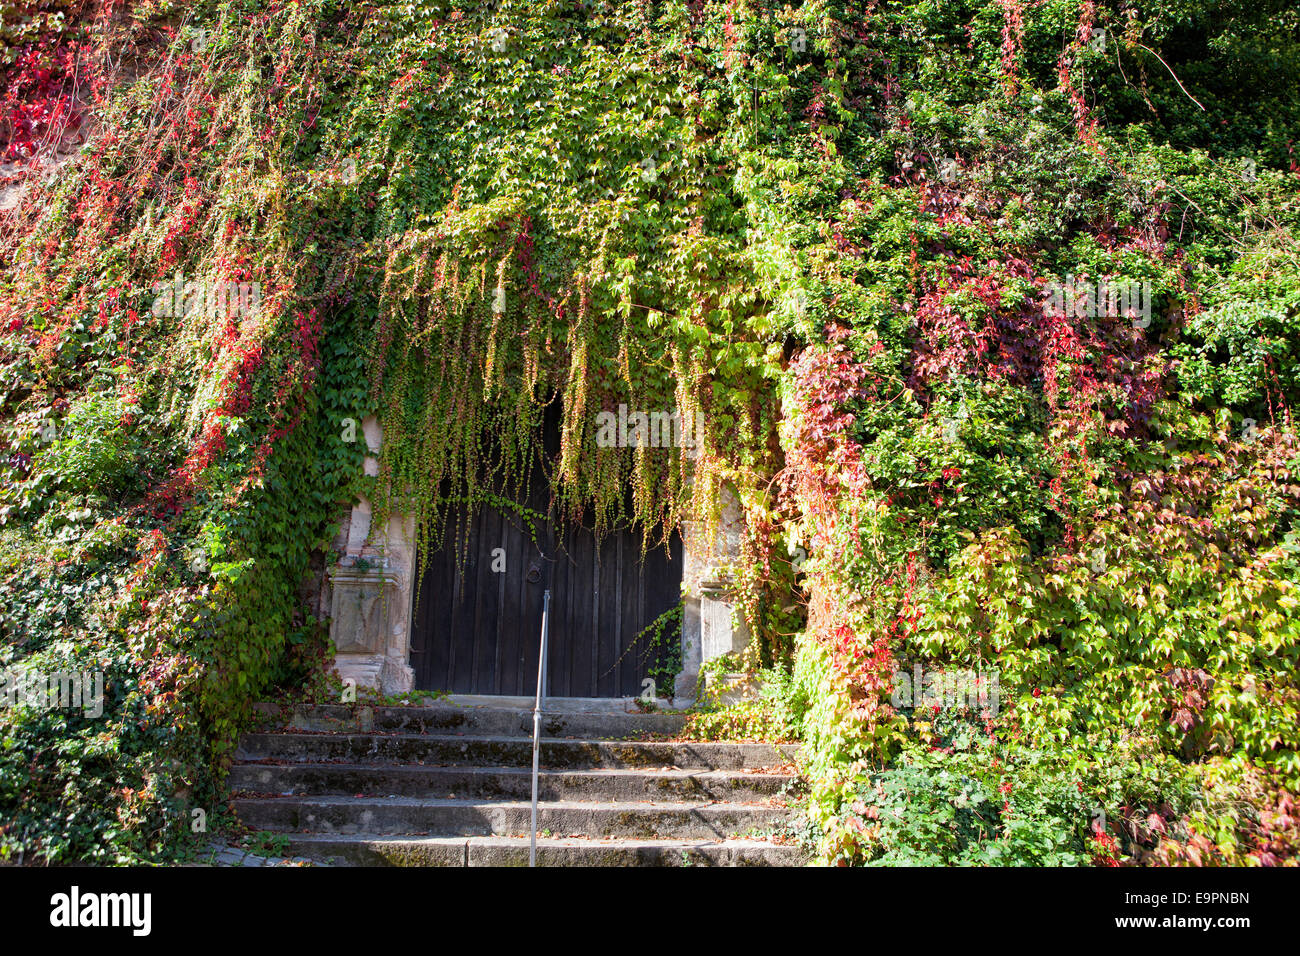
359 612
722 628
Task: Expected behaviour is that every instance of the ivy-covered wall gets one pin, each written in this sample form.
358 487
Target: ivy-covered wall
867 244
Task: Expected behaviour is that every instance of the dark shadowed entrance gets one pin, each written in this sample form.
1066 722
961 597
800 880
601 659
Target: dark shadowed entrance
477 625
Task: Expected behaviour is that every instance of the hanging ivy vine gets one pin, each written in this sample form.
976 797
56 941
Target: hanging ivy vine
820 230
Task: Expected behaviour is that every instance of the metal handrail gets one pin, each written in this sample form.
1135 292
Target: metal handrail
537 718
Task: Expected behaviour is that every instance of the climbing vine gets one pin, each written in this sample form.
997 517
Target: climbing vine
854 257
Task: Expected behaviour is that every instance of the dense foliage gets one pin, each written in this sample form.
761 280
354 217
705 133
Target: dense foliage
829 230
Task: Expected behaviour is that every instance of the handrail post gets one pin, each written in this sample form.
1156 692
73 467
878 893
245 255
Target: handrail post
537 719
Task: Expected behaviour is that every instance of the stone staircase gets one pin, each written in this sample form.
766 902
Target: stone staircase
451 784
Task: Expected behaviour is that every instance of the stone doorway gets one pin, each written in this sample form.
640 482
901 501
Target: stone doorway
370 594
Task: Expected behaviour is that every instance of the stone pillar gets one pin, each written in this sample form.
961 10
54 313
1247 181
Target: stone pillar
712 625
371 593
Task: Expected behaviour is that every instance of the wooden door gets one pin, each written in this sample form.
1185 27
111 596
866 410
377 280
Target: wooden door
478 619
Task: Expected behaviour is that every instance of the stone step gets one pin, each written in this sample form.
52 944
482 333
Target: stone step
452 718
379 816
505 782
441 750
513 851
